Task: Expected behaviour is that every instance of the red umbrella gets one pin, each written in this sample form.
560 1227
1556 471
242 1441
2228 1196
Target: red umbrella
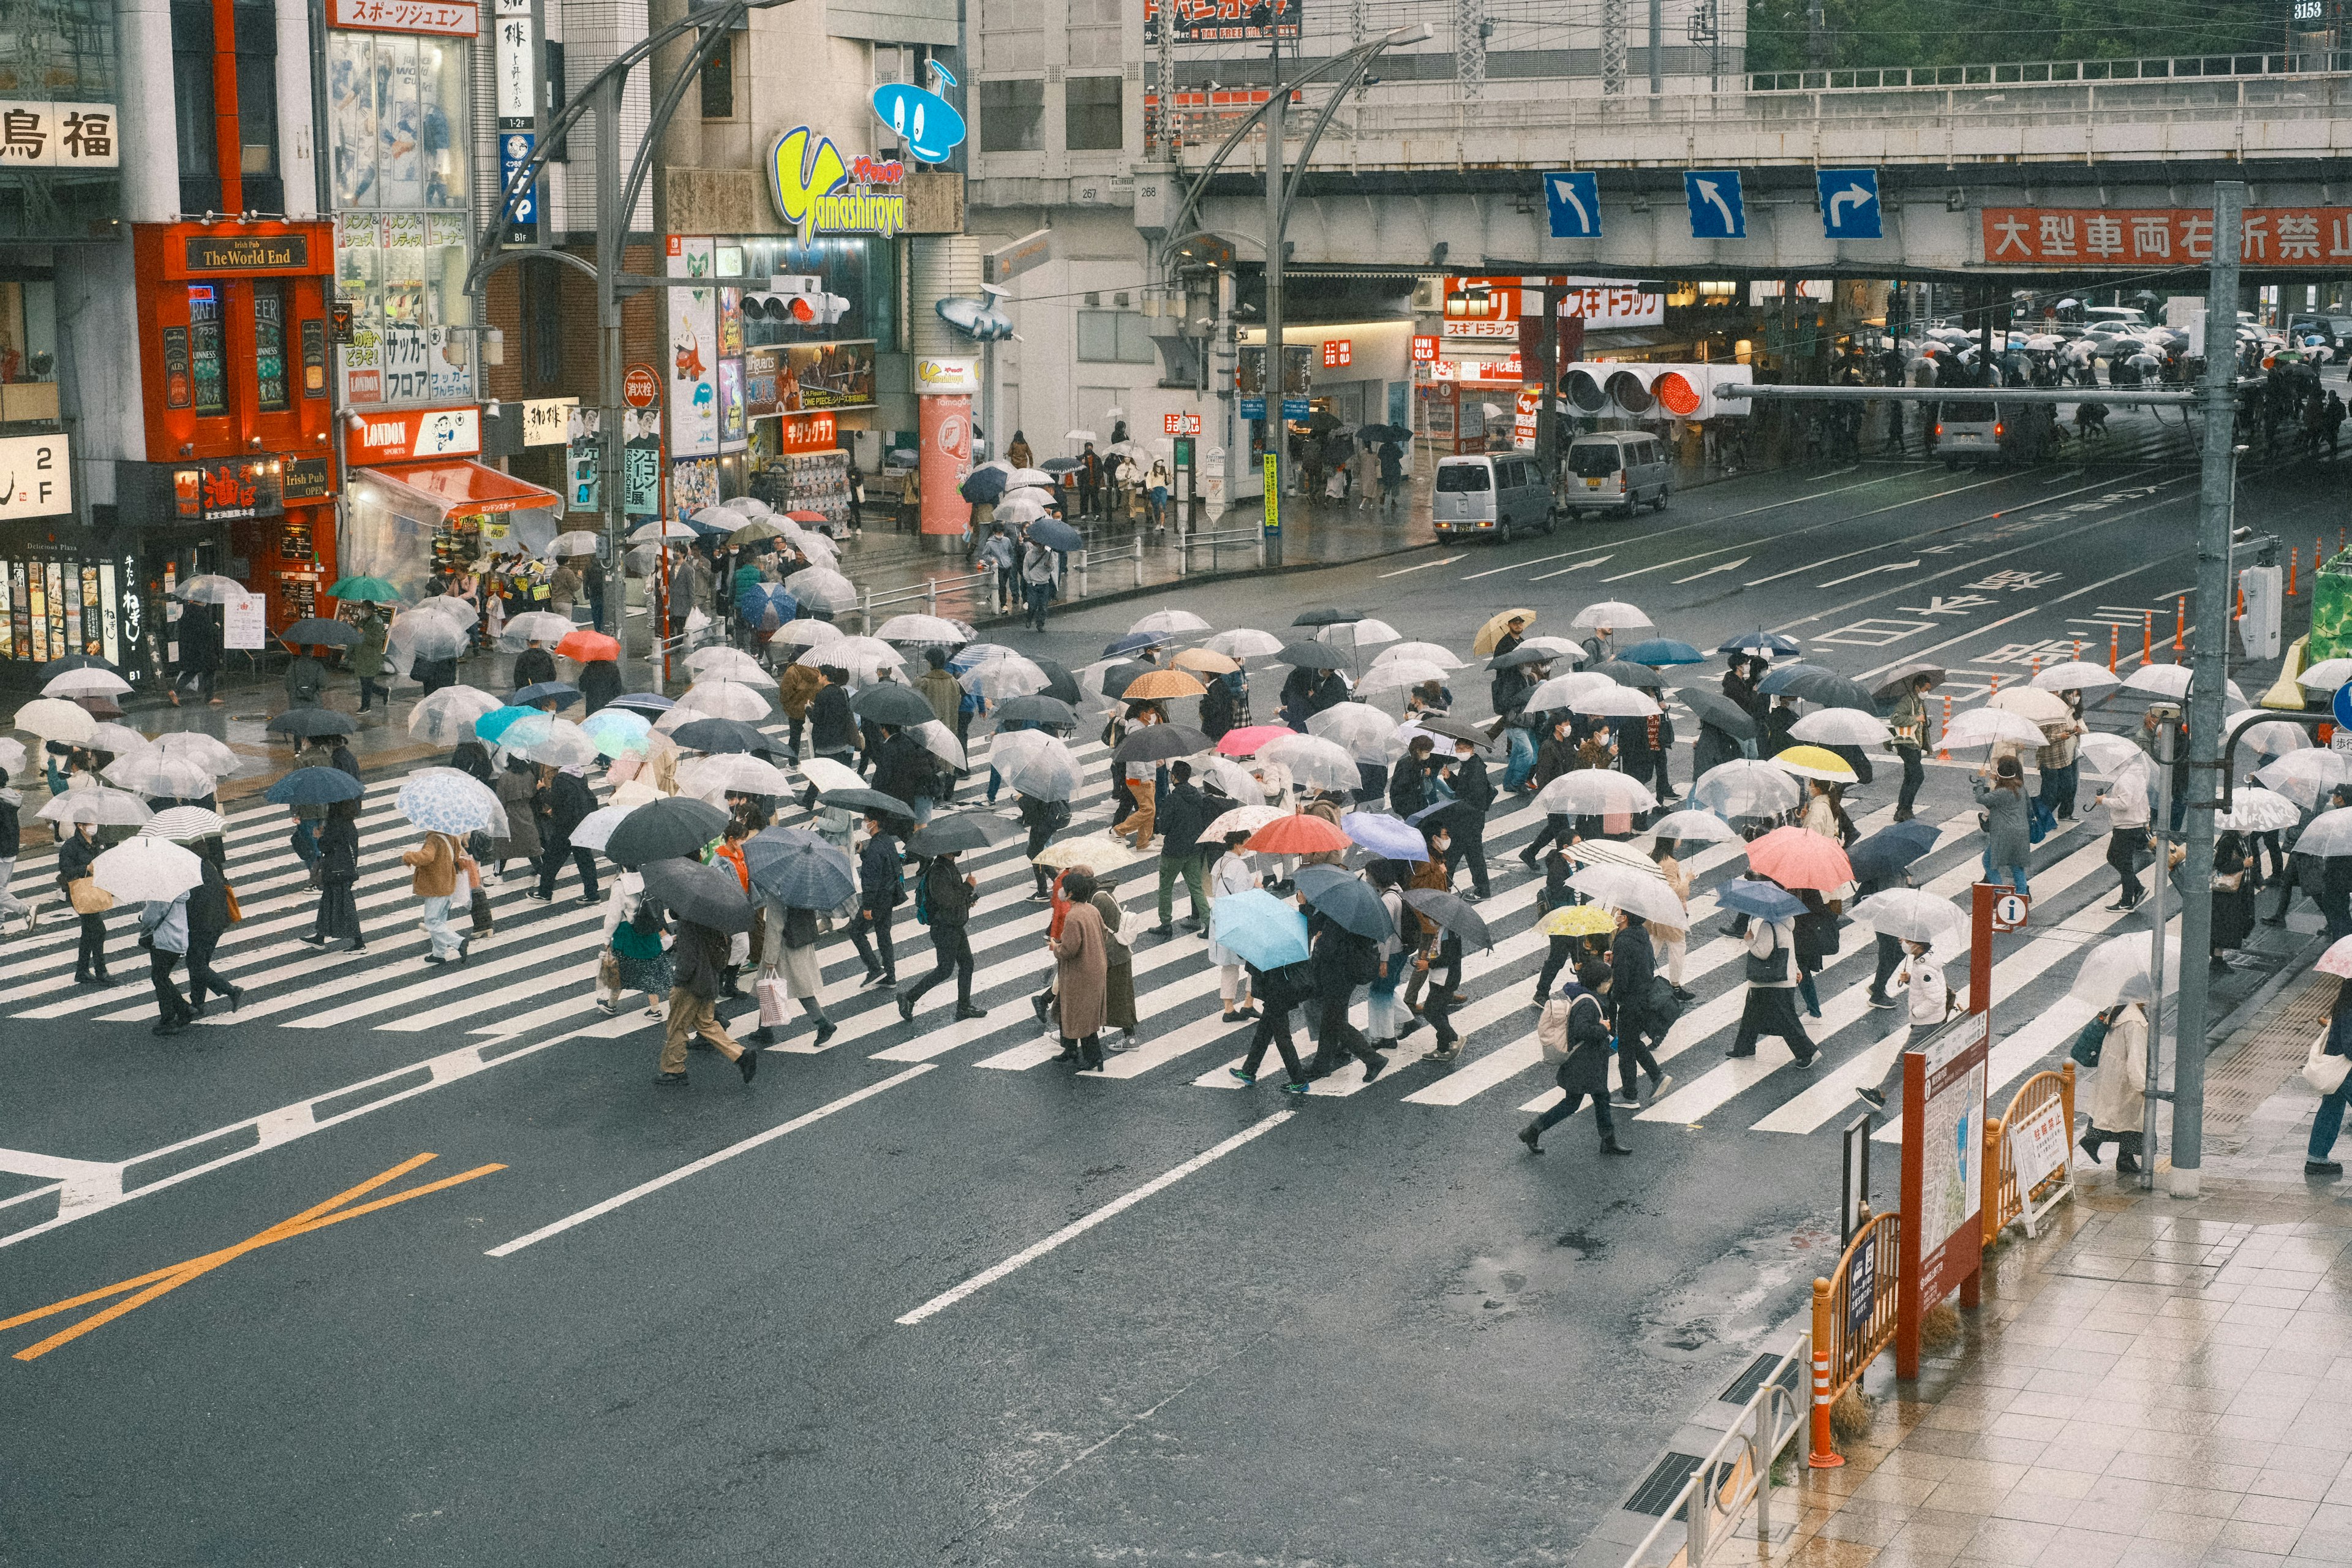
1243 742
588 646
1298 834
1799 858
807 517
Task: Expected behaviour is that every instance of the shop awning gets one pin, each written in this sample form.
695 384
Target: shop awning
465 488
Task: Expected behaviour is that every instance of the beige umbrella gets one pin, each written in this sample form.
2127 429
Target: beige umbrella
1497 625
2036 707
54 718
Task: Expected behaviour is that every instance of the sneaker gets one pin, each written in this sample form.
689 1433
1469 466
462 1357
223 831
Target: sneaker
655 1013
965 1010
1474 897
669 1080
1807 1063
1875 1000
2323 1168
1294 1088
1872 1094
1629 1097
608 1008
748 1064
1245 1079
1682 995
825 1031
1659 1085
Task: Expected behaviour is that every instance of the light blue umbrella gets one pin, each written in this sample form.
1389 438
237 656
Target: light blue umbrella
618 733
1765 901
1391 837
1267 932
544 738
443 800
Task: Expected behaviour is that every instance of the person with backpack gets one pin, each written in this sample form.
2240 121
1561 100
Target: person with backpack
1278 991
1928 1003
1643 1016
1770 1007
1043 818
944 900
1573 1031
1183 815
2118 1097
880 891
1338 961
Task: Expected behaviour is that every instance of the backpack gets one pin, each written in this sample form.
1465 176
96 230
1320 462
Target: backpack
1363 958
1287 986
923 897
1551 1032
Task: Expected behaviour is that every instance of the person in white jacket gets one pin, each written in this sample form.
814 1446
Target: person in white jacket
2118 1097
1230 874
1927 1005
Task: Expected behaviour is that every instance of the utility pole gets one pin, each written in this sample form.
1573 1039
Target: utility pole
612 235
1277 424
1612 47
1547 377
1657 47
2210 668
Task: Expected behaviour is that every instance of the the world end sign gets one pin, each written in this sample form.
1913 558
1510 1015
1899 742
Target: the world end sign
248 253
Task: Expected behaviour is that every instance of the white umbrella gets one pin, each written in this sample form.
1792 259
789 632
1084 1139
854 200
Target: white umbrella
180 823
456 611
1314 762
85 683
929 629
2326 675
1614 613
106 808
1595 792
535 626
2255 810
594 830
1361 633
1172 623
1228 777
1369 734
1015 510
1557 648
1081 437
1243 642
1242 819
826 775
721 662
864 657
2032 705
1437 653
54 718
821 588
1621 887
1841 727
940 742
446 717
1745 788
2276 738
578 542
2329 834
1562 690
1013 676
2108 754
154 774
669 528
2075 675
736 773
1694 828
806 633
727 700
1615 702
1991 727
205 750
147 870
12 755
2304 776
2117 970
1398 675
211 588
1037 476
1041 766
116 740
819 550
1910 914
420 633
2163 679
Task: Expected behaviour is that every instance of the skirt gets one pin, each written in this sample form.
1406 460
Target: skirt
650 975
338 912
1119 996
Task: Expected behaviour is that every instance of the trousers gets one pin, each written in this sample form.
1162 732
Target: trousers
689 1016
1138 821
1470 850
951 954
1274 1029
1172 867
200 977
1771 1010
437 927
1335 1036
551 864
1914 773
169 1003
90 958
1568 1107
870 932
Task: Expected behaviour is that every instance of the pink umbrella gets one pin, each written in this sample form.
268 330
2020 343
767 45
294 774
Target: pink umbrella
2337 959
1243 742
1799 858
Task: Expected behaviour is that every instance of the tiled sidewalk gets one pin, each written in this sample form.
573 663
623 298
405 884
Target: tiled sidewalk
2153 1383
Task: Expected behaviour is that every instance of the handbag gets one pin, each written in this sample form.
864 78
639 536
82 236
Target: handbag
236 911
2090 1042
88 897
2324 1072
1551 1032
1772 968
608 971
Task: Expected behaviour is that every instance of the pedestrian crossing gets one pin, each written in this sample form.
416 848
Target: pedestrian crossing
532 979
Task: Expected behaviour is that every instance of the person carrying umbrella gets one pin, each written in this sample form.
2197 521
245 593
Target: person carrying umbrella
1770 1007
518 788
338 917
944 901
796 690
1182 816
2058 762
163 932
11 841
310 814
1640 1024
1409 780
600 682
199 632
366 658
2126 801
306 681
881 890
1224 707
2007 838
2328 1120
1141 777
1674 941
74 857
1041 575
697 959
1340 960
1429 874
564 802
640 962
1909 741
1230 875
1575 1031
434 865
788 954
1473 794
1558 755
1119 966
2117 1098
832 726
1926 1004
1081 967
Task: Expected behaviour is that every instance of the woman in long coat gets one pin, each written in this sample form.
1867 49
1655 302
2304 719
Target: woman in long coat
1118 968
1080 970
338 918
2119 1098
2008 839
518 790
2234 880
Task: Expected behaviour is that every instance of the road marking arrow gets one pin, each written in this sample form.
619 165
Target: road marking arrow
1856 194
1708 191
1408 571
1727 567
1898 566
1566 570
1567 189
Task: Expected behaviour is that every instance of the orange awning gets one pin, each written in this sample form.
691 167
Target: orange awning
464 489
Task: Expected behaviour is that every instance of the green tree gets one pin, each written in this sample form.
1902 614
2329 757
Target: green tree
1898 33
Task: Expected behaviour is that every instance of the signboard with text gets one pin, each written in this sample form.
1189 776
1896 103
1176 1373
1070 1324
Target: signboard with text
1223 21
1492 307
1943 1174
393 437
442 18
2074 237
547 421
58 136
35 477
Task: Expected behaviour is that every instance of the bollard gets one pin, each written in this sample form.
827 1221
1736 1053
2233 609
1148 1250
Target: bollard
1139 560
2146 635
1824 1457
2290 569
1944 753
2037 666
2180 625
2078 650
2114 636
930 595
1995 688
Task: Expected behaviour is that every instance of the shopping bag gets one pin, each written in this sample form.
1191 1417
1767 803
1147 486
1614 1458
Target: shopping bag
88 897
2322 1071
775 1002
481 911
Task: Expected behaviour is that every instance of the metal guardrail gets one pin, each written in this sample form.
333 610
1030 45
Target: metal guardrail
1226 540
1736 1472
2173 68
1846 1341
978 582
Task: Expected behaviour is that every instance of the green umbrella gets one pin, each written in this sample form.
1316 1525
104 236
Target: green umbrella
373 589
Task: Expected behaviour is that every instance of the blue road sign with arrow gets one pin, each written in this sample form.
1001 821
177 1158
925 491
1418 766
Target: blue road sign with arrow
1716 210
1849 207
2343 706
1573 201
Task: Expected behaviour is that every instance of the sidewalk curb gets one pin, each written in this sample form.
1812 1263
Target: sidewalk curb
1192 579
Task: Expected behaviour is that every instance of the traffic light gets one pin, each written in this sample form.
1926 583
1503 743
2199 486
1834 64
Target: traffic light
1653 392
795 297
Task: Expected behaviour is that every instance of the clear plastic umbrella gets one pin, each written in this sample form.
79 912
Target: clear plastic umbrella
735 773
2256 810
206 751
116 740
618 733
450 607
1230 778
147 870
1041 766
544 738
1841 727
1614 613
156 774
211 588
1615 702
1745 788
1248 818
1595 792
2075 675
1360 634
1643 895
578 542
2326 675
1438 654
806 634
1013 676
930 630
1910 915
54 718
1694 828
1557 650
940 742
72 683
2276 738
1993 727
1369 734
864 657
1398 675
2304 777
821 588
2329 834
728 699
1559 691
2117 970
105 807
1315 762
182 823
724 663
535 626
447 716
1171 622
1243 642
421 633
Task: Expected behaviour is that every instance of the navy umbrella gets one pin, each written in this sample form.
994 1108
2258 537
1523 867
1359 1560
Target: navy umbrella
1811 683
1518 657
1765 901
309 722
1036 708
1344 900
652 704
794 868
709 896
563 693
1883 855
1060 464
766 606
665 829
1721 711
891 703
984 486
1054 535
1134 642
872 800
1759 644
725 735
1327 615
314 786
1121 676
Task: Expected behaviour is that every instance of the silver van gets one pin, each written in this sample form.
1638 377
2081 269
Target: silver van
1617 469
1498 496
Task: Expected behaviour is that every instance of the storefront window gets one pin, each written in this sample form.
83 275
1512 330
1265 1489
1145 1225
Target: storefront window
270 346
404 274
208 354
398 108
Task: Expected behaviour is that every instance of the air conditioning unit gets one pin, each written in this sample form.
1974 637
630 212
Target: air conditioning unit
1428 296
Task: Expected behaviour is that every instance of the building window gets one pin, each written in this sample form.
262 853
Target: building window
1012 116
718 82
1090 115
192 105
256 105
1113 337
269 345
397 105
542 311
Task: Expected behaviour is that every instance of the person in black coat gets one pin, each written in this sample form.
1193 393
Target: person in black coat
1409 780
600 682
473 757
878 894
208 922
565 801
1585 1072
337 919
1339 962
1296 686
1474 790
344 758
832 728
199 633
74 856
948 893
1633 975
1219 711
906 768
11 841
533 666
1328 691
1181 815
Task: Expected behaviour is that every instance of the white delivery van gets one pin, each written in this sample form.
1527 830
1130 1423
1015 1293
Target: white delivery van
1495 495
1616 470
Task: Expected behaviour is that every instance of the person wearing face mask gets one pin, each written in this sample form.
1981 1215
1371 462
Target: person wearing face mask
1474 793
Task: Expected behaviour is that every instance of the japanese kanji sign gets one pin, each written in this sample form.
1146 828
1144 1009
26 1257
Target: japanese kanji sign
2077 236
1212 21
445 19
58 135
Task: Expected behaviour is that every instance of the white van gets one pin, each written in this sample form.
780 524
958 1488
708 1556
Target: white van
1616 469
1497 496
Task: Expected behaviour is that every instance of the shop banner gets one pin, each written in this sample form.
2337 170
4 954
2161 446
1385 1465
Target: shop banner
415 433
944 424
2070 236
734 429
641 477
35 477
1221 21
245 623
58 136
693 351
584 487
441 18
693 485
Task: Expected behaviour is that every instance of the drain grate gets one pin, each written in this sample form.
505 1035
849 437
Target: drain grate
1656 1493
1745 1386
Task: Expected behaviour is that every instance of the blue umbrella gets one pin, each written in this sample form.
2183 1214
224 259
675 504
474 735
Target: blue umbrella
493 724
1782 677
443 800
1059 465
652 704
710 529
313 786
1055 534
984 485
761 601
617 732
1759 644
1345 901
563 693
794 868
1661 651
1885 853
1765 901
1387 837
1134 642
1267 932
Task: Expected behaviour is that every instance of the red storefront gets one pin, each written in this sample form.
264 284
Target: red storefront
235 367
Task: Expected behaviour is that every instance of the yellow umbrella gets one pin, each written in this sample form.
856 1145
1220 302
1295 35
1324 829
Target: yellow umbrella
1206 661
1814 762
1161 684
1497 625
1578 919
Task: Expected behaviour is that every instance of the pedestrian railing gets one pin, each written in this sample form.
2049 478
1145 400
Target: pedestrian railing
2175 67
979 584
2002 1200
1736 1474
1854 1319
1232 545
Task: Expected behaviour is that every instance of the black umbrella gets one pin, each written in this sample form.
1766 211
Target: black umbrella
709 896
1159 744
1060 464
1054 535
563 693
1310 654
1898 681
1518 657
1713 707
1883 855
1456 729
722 736
1624 672
314 786
1373 434
1449 911
888 702
959 831
794 868
307 722
1327 615
58 666
318 630
1345 901
872 800
1036 708
664 829
1060 684
1825 686
1124 674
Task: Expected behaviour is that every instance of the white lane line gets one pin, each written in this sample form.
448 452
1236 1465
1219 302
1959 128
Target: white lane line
1548 577
1408 570
672 1178
1520 566
1086 1223
2047 604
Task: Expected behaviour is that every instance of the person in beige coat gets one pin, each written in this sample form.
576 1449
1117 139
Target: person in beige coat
2119 1098
1080 975
1118 968
1673 942
435 865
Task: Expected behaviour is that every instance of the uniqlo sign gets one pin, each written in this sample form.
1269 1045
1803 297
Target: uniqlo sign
1337 352
1424 350
1181 424
2072 237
